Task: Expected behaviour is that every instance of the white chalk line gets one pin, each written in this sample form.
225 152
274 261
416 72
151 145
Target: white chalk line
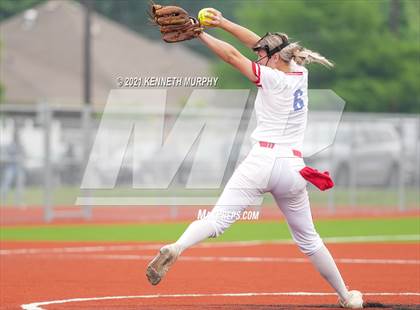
106 248
242 259
37 305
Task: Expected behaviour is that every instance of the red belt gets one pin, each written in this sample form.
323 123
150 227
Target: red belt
271 145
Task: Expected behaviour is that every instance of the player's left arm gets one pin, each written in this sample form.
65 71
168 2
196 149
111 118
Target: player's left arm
243 34
229 54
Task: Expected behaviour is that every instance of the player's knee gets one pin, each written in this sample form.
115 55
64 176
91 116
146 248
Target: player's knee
220 224
309 246
220 227
206 225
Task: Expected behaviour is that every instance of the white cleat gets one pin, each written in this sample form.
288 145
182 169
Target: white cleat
159 266
354 301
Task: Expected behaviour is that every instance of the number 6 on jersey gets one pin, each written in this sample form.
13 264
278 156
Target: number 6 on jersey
297 100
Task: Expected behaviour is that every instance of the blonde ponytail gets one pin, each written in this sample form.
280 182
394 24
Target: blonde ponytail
303 56
293 51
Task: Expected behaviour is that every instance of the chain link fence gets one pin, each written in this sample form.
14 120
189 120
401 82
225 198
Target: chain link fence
374 160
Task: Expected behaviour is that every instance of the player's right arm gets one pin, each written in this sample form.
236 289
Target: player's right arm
232 56
246 36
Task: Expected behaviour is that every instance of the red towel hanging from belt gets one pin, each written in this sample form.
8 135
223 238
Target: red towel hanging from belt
322 180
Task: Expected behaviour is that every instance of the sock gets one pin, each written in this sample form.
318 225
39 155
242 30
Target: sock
326 266
197 231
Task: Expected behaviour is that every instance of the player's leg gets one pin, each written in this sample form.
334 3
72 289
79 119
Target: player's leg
228 209
221 217
297 212
240 192
243 189
213 225
292 198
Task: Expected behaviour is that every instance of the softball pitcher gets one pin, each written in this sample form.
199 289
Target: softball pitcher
275 163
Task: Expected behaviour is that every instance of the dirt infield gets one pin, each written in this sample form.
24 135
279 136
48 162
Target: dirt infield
47 275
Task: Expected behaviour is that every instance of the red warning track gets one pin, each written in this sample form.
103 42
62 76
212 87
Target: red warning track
33 215
214 277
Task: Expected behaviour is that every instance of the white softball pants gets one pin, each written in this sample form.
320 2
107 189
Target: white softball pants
276 171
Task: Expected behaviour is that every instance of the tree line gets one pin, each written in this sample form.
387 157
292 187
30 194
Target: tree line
375 45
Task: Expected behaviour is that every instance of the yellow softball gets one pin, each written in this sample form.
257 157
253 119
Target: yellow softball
204 20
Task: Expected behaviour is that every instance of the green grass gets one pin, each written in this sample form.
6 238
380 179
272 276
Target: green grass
241 231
